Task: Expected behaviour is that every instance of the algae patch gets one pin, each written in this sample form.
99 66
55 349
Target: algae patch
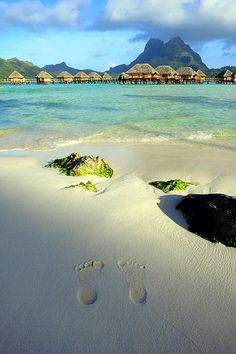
173 184
77 164
88 186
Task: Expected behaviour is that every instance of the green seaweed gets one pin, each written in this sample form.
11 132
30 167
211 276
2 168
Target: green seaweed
78 165
88 186
173 184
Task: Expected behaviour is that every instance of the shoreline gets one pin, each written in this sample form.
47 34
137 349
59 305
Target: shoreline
175 158
47 230
126 144
214 143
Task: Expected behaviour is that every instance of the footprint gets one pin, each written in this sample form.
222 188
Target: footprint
86 294
134 274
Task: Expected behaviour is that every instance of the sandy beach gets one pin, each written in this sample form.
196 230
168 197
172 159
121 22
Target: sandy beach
124 239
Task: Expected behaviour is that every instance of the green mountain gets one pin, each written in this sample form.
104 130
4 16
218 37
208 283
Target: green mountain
29 70
214 72
26 68
55 69
175 53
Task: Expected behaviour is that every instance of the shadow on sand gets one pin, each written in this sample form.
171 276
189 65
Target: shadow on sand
168 204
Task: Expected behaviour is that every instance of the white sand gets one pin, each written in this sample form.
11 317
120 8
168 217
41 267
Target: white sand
162 289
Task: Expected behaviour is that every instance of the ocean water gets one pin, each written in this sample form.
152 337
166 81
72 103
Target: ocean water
39 117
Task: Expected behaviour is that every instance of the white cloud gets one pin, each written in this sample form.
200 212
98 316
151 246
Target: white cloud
35 14
191 19
222 11
196 19
111 64
148 11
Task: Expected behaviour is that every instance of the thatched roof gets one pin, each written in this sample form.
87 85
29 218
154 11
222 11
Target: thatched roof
81 76
44 75
94 76
141 69
15 75
166 70
65 75
186 71
223 74
124 76
228 73
106 76
156 75
201 73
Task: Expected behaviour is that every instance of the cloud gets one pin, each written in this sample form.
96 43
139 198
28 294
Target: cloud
111 64
37 15
191 19
100 53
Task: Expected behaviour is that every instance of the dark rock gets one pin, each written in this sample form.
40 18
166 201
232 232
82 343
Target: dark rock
212 216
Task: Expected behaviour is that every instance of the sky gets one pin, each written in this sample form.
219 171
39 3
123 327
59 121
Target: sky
98 34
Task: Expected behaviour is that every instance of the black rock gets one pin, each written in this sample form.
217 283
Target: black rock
212 216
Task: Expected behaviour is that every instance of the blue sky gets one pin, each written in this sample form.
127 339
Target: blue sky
98 34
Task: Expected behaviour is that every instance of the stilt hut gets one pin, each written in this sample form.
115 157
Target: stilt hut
168 74
143 73
233 77
81 77
65 78
123 77
44 78
16 78
106 77
200 77
187 74
224 77
94 77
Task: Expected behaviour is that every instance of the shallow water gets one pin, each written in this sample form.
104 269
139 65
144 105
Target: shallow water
46 117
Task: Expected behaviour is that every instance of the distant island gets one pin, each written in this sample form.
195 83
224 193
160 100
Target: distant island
175 53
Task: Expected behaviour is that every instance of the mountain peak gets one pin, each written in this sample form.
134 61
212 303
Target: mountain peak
55 69
26 68
175 53
175 43
154 44
176 39
152 41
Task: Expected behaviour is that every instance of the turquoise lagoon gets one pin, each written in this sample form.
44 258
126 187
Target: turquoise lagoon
46 117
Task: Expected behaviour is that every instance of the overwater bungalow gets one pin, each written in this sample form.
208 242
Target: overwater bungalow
44 78
168 74
156 77
81 77
106 77
143 73
16 78
123 77
186 74
233 78
225 77
200 77
65 78
94 77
